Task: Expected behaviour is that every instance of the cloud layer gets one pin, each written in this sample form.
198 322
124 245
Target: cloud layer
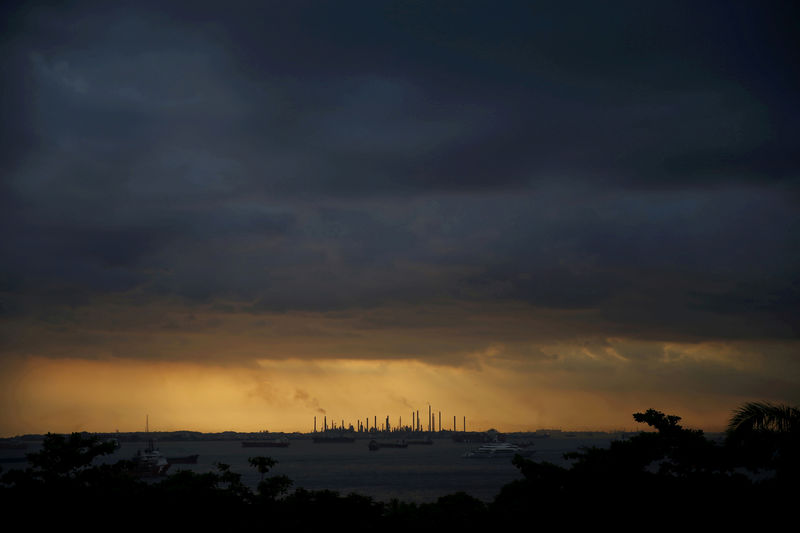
542 173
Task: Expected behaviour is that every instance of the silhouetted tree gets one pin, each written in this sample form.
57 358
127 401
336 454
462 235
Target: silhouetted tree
674 469
766 436
66 456
661 477
274 486
764 416
262 464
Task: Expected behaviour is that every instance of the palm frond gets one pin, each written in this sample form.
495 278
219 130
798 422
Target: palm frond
764 416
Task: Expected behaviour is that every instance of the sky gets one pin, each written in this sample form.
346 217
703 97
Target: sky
240 216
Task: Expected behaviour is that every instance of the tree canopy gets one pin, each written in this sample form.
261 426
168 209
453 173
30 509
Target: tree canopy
666 476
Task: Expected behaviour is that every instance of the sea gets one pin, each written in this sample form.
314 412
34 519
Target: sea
418 473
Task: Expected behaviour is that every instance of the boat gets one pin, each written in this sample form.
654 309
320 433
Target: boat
282 442
186 460
373 445
497 449
149 462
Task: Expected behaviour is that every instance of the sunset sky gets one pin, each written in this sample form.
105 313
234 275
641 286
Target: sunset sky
239 216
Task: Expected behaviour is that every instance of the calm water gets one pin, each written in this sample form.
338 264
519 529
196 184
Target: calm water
416 473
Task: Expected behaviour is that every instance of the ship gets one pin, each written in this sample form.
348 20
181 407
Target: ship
149 462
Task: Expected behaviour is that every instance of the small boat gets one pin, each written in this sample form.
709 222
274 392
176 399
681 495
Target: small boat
498 449
373 445
149 462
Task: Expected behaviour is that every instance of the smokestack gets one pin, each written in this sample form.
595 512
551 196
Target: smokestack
326 423
429 418
315 424
418 424
465 424
454 422
440 421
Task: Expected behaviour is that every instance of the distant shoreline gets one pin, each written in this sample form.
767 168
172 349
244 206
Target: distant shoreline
180 436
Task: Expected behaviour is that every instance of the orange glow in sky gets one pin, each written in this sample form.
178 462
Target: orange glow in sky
284 395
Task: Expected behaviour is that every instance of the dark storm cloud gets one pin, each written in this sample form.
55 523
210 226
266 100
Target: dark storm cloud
637 160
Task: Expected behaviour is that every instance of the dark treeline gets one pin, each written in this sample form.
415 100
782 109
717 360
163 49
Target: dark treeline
671 477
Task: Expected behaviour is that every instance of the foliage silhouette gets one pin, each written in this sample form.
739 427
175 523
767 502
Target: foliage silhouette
765 437
274 486
667 476
67 456
674 468
764 416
